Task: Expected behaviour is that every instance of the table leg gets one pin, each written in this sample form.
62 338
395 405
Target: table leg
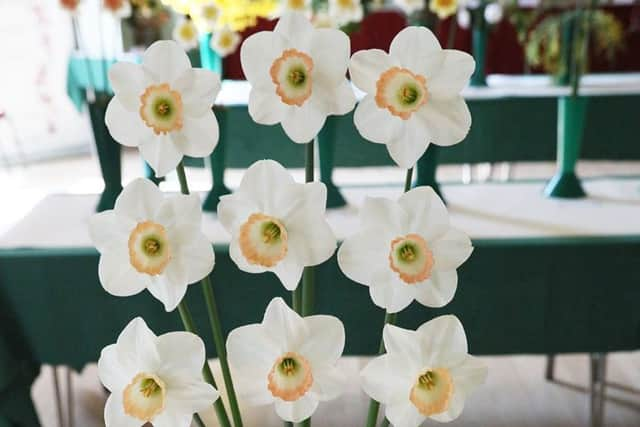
480 38
70 406
217 165
551 364
598 388
571 115
108 155
58 396
427 166
326 150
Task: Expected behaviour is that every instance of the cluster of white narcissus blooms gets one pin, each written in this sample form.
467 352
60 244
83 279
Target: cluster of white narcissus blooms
149 241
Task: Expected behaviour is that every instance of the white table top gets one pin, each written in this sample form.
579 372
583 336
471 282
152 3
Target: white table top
236 92
484 211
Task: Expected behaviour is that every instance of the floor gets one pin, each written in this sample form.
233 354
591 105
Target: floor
516 395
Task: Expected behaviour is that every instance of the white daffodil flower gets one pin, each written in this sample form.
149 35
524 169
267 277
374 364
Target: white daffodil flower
185 33
297 75
287 6
225 41
463 18
405 250
413 94
425 373
410 6
344 12
288 360
493 13
208 14
148 241
443 8
277 224
154 379
119 8
163 107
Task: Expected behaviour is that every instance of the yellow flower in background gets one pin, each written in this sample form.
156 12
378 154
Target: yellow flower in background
443 8
237 14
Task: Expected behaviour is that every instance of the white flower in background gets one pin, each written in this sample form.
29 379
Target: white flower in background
322 19
413 94
148 241
405 250
154 379
297 75
410 6
443 8
424 374
208 14
470 4
185 32
288 360
287 6
225 41
163 107
493 13
344 12
119 8
277 224
464 18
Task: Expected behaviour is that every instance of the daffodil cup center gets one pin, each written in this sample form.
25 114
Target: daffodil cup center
263 240
296 4
292 75
432 391
210 12
411 258
401 92
161 108
290 377
149 250
145 397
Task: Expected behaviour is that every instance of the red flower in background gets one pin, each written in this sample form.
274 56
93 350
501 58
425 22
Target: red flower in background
71 5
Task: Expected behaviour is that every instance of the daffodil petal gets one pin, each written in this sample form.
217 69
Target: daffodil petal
198 90
451 250
115 416
330 49
404 414
328 340
236 255
383 215
289 271
417 49
125 126
302 124
359 252
296 30
469 374
448 120
105 231
189 398
265 106
428 214
200 258
284 325
385 379
438 290
404 344
128 82
118 277
258 53
376 124
111 373
199 136
410 144
297 410
136 347
139 201
329 383
183 356
446 340
161 153
389 292
366 66
453 76
165 60
334 100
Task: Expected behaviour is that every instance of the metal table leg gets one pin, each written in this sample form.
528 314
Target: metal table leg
598 388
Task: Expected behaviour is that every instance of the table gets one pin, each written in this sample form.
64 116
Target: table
547 276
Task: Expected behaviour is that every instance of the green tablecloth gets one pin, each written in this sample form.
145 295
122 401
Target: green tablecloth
514 296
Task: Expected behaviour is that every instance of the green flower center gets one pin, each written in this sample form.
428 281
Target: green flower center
288 366
407 252
149 387
163 107
152 246
297 76
408 94
271 232
428 380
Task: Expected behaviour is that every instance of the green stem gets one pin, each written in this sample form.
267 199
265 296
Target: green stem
384 423
189 326
214 322
199 421
306 423
390 319
288 424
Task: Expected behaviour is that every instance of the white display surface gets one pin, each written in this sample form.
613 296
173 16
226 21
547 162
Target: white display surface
484 211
